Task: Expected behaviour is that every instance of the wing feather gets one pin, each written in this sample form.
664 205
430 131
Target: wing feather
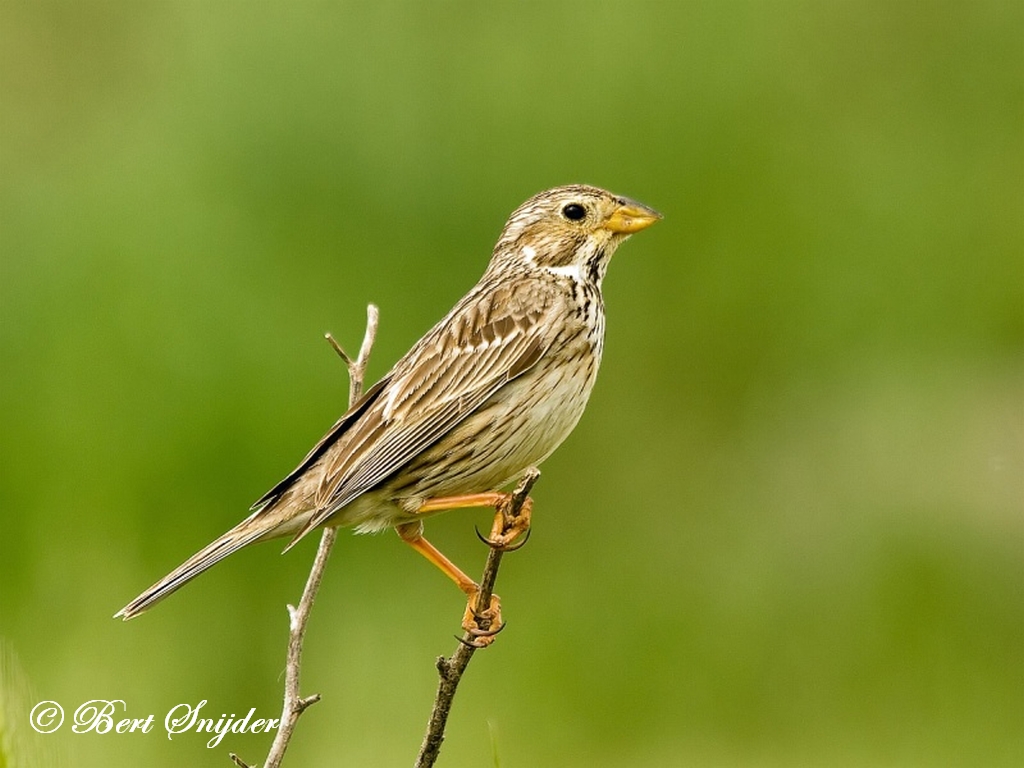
341 427
455 369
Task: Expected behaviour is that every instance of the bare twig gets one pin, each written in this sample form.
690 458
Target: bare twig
294 703
450 670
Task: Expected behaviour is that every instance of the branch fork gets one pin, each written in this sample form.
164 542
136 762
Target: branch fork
294 703
511 520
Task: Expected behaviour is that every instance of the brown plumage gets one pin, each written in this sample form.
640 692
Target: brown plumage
488 392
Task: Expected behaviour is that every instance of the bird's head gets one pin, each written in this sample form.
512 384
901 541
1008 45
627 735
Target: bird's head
571 230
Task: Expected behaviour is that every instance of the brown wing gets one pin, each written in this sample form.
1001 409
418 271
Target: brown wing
341 426
462 362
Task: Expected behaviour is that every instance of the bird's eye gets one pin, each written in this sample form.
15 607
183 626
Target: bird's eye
574 211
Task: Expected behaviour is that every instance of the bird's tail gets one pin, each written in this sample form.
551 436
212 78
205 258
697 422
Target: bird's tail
252 529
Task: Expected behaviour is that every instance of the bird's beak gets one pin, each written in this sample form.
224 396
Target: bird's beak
631 217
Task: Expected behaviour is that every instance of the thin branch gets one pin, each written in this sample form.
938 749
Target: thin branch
450 670
294 703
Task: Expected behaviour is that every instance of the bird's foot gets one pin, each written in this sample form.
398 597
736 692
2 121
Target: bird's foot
482 626
509 524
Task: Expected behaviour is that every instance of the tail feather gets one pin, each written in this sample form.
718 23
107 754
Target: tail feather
241 535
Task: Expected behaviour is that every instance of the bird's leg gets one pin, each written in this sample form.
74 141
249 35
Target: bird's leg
481 625
507 526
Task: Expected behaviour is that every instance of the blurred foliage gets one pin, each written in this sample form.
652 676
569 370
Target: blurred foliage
790 529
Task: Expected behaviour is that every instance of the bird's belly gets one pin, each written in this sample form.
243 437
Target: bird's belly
518 427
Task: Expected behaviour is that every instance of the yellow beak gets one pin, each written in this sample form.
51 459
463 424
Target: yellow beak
631 217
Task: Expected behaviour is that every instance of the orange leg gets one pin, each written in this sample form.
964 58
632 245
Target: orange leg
506 527
412 534
483 626
505 530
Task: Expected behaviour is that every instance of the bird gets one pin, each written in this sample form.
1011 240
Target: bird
485 395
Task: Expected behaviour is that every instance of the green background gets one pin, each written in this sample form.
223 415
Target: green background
789 530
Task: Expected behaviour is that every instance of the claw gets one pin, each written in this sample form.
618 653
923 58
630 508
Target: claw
510 547
507 527
477 632
504 547
474 616
484 637
482 625
483 538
